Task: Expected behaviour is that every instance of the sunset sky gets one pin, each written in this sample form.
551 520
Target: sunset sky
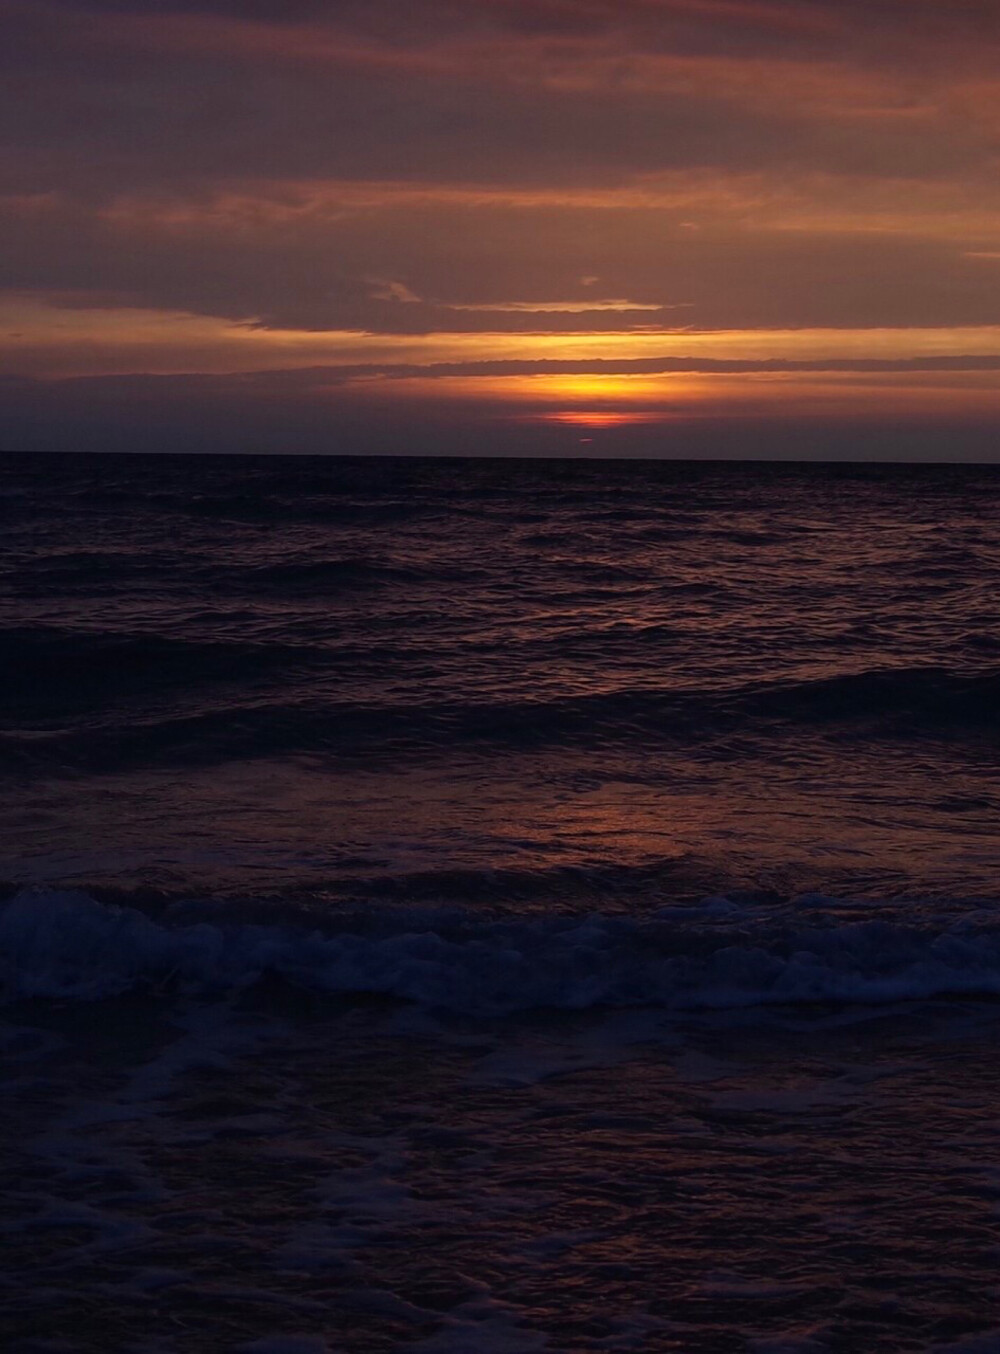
707 226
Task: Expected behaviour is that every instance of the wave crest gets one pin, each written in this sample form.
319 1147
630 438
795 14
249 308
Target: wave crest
68 945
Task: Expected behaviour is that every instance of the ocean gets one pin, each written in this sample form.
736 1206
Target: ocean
485 907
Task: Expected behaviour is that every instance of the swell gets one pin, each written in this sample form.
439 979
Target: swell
323 575
46 667
69 946
88 571
82 570
912 697
274 507
908 703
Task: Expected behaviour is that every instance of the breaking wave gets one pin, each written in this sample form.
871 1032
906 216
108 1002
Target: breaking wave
713 956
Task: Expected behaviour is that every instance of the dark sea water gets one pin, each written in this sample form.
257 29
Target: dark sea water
499 906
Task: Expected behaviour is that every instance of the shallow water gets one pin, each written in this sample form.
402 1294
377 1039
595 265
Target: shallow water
376 1179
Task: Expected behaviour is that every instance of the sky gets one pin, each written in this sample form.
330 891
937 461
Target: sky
705 227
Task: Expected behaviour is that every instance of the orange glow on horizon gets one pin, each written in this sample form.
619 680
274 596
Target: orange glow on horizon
598 401
599 418
439 369
614 398
52 337
625 389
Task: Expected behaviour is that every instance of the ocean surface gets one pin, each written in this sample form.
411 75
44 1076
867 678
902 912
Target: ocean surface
481 907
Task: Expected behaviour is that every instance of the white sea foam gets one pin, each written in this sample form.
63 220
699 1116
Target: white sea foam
67 945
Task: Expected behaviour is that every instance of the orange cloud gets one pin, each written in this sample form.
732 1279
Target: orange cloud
605 401
43 339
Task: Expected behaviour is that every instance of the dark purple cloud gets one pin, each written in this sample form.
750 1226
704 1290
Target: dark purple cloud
108 97
328 269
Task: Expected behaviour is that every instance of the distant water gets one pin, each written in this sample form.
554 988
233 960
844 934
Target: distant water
532 683
650 810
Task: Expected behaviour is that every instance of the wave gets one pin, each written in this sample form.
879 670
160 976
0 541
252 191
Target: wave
895 703
85 571
69 946
45 664
912 697
336 574
277 507
81 570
